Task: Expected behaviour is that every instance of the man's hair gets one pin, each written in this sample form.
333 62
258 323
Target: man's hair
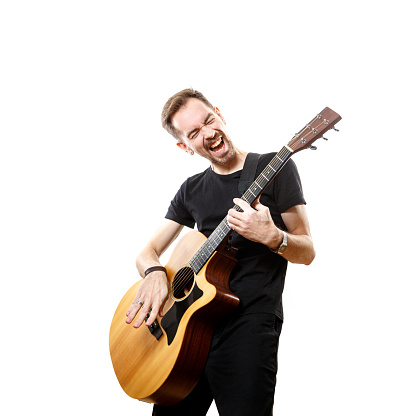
175 103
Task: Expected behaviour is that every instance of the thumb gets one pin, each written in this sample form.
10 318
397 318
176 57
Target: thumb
257 205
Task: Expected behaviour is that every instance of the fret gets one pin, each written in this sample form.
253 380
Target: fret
288 148
256 188
298 143
253 191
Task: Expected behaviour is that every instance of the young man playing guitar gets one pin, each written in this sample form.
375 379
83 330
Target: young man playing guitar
240 373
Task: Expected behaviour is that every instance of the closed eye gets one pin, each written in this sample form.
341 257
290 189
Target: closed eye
194 135
209 120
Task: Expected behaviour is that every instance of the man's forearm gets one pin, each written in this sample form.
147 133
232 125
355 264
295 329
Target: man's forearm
299 248
148 257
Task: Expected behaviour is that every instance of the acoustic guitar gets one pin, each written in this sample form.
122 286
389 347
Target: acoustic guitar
163 362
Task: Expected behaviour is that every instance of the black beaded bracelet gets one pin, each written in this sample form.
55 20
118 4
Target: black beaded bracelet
154 269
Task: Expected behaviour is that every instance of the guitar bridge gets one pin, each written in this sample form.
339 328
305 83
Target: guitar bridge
154 329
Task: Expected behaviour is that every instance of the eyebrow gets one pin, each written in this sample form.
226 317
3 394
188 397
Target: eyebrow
198 128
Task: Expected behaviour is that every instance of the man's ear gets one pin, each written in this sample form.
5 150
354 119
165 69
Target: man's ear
184 147
217 110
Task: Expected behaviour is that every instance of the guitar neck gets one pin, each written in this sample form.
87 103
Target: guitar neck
253 192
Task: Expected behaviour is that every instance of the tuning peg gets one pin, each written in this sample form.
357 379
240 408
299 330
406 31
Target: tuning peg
324 138
313 147
335 129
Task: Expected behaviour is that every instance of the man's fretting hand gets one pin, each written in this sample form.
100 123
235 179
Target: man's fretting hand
255 222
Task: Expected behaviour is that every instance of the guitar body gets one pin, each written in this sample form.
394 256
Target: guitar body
165 370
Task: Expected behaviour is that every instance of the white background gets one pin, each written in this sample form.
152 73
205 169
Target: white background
87 173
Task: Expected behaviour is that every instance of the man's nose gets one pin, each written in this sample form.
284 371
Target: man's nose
207 132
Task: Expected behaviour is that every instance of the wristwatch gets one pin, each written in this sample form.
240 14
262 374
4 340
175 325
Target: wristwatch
282 246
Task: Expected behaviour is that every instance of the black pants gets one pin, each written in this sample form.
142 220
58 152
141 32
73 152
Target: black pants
240 374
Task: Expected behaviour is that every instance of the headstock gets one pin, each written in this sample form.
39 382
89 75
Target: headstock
323 122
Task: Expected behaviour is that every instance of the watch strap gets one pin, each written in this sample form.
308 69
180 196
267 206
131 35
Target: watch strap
280 250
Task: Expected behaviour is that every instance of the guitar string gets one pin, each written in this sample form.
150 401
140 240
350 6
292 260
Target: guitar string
181 279
200 258
254 191
181 275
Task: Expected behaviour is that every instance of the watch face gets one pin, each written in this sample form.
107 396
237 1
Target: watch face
283 245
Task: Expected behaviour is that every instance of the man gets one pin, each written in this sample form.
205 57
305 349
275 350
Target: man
240 372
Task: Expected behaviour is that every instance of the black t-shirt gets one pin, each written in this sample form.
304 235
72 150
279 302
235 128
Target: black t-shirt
204 199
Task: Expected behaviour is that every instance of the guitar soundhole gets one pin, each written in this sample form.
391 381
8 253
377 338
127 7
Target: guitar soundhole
182 283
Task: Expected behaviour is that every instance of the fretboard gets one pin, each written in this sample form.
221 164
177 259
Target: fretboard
253 192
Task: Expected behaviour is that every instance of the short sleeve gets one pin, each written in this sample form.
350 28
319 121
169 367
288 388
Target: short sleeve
178 211
288 187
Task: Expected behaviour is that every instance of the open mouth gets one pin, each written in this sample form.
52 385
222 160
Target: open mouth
218 145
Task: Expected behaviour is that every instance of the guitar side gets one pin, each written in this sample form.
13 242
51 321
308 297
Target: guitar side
162 372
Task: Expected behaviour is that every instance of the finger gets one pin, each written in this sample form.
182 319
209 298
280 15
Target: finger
152 316
137 303
234 215
235 224
162 307
153 310
232 221
134 308
129 310
244 205
143 313
257 205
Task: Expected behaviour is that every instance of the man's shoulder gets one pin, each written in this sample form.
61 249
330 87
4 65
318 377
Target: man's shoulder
195 180
198 176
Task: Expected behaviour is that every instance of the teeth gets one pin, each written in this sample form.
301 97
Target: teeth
217 143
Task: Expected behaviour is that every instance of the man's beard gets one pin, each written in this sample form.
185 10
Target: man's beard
230 152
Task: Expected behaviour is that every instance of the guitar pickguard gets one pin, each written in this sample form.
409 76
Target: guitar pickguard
173 316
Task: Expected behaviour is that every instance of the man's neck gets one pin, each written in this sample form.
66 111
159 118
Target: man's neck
236 164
